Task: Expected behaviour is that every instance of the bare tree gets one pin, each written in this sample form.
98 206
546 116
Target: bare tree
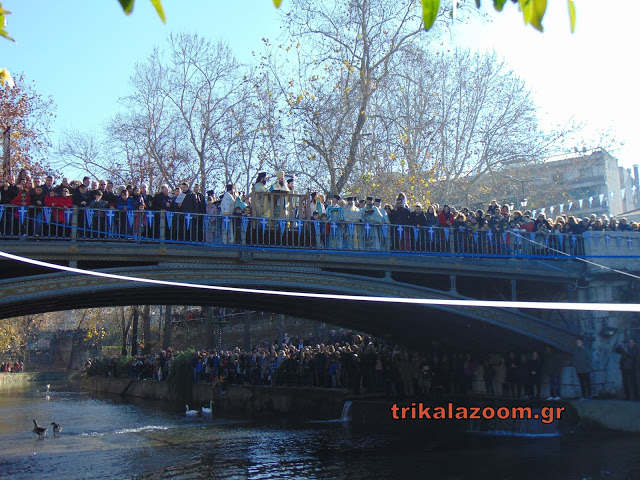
486 120
345 53
204 83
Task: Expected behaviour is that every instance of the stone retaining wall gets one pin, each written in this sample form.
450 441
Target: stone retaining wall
248 400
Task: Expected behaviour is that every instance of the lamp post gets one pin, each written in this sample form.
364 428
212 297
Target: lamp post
523 201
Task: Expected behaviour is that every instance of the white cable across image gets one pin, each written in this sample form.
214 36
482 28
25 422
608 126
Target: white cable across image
587 307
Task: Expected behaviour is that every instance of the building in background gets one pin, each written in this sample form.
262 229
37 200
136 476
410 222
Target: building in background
579 183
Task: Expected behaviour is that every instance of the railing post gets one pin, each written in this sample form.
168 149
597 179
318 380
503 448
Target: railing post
163 226
74 224
243 232
451 247
388 240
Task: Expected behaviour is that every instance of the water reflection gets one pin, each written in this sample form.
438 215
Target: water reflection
106 437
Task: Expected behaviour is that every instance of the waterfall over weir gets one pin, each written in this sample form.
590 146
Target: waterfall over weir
346 411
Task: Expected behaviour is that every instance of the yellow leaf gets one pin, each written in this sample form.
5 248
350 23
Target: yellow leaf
157 4
572 15
5 78
277 3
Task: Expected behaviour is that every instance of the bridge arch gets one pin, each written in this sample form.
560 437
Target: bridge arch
482 328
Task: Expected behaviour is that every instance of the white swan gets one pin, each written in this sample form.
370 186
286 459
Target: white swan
207 411
190 412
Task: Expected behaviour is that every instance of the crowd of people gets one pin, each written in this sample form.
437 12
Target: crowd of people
353 361
363 364
280 215
11 367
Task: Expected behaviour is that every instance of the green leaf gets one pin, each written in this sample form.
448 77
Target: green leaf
158 5
430 12
3 23
127 6
478 3
3 33
499 4
277 3
572 15
533 12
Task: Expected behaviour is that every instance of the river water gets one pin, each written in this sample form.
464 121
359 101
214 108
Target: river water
107 437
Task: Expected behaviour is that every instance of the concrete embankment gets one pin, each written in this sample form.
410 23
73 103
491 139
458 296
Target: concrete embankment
612 414
249 400
15 379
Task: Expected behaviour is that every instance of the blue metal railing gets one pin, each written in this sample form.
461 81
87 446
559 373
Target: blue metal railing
85 224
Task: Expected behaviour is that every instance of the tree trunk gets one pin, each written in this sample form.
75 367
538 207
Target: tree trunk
125 332
76 363
211 336
247 330
160 326
134 331
280 329
166 338
146 329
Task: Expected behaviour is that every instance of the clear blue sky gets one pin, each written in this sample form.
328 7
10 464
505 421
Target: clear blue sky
82 52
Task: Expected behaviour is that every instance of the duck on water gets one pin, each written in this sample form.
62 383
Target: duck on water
37 429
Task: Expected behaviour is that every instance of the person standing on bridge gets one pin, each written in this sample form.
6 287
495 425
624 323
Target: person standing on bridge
352 215
373 219
335 216
628 368
187 203
260 203
582 363
226 209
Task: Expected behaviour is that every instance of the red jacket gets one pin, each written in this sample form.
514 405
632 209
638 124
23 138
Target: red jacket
58 204
443 218
19 201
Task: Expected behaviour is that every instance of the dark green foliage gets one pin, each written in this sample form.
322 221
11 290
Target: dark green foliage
115 367
180 378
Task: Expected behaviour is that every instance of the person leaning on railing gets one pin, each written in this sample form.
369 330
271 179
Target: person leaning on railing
22 200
